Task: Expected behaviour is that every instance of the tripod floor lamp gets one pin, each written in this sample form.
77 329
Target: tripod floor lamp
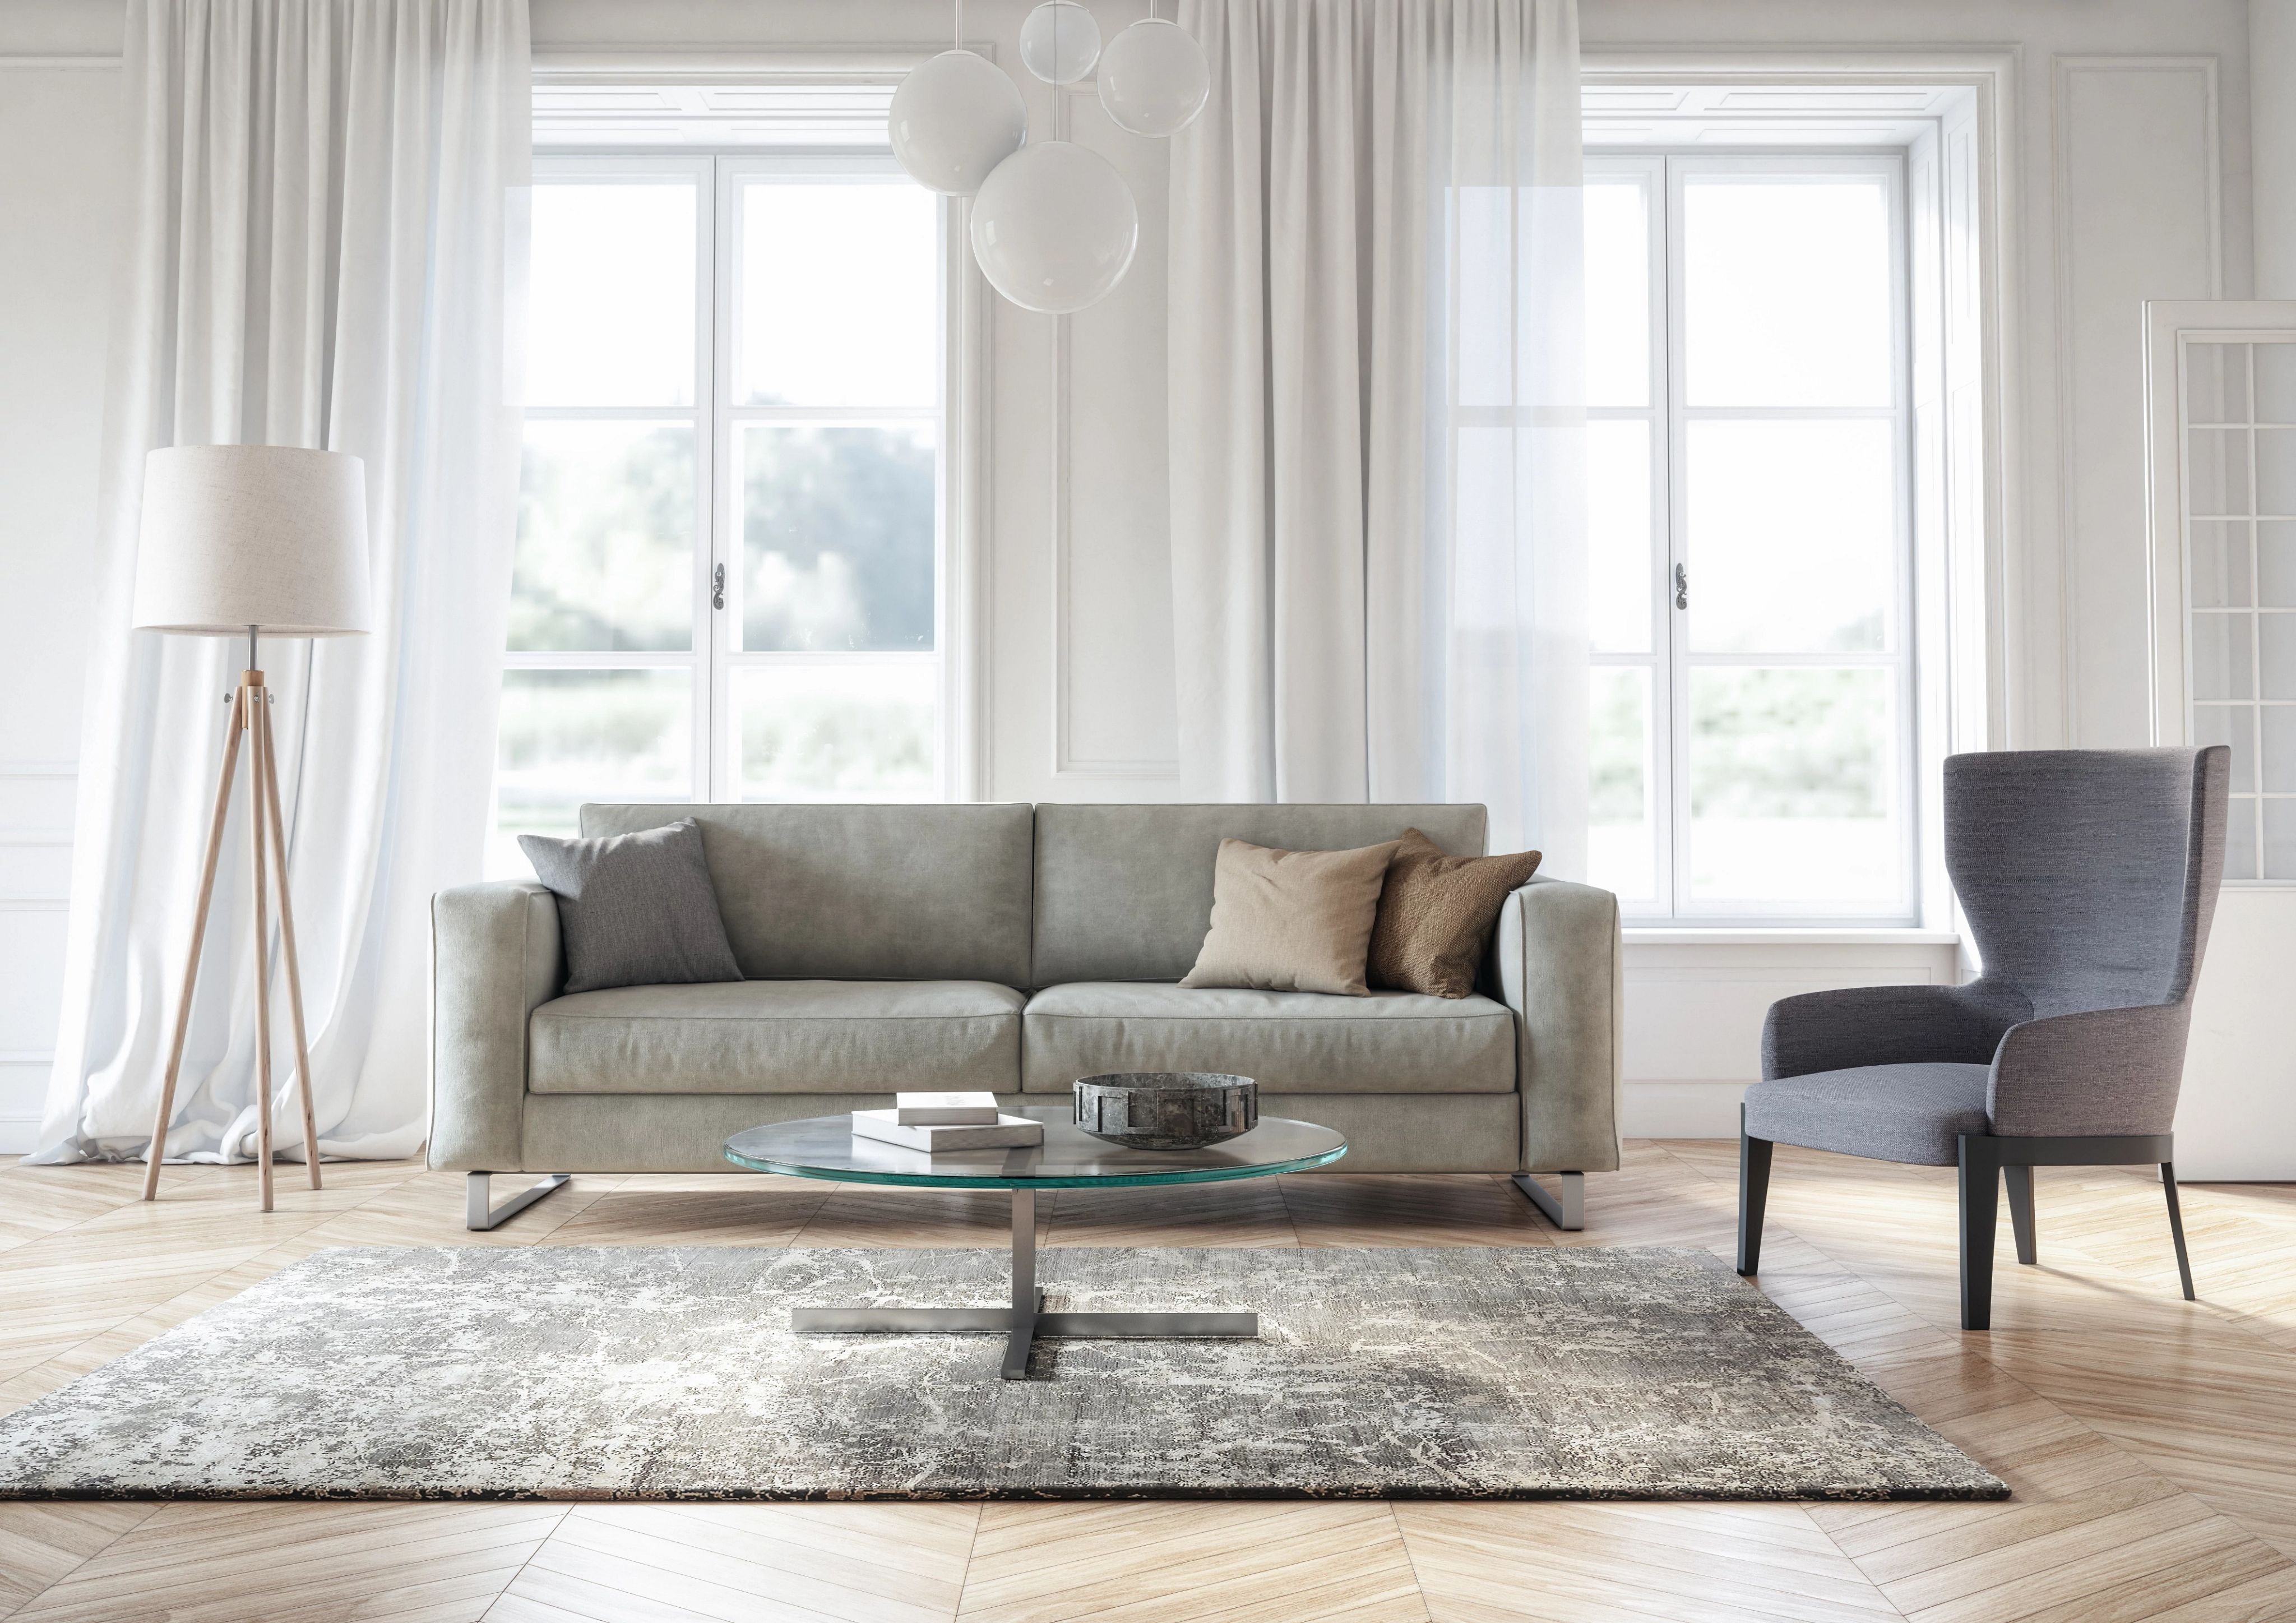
250 541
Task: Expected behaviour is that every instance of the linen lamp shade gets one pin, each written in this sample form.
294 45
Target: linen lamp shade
267 535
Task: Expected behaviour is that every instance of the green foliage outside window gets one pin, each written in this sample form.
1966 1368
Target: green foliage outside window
837 538
605 539
1771 743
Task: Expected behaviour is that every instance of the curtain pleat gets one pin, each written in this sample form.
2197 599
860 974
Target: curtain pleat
1377 410
318 256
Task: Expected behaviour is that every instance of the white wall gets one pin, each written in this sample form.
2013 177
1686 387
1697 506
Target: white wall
2128 150
2272 69
60 207
1694 1012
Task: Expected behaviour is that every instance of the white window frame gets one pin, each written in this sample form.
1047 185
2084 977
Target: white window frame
2172 326
717 421
1670 660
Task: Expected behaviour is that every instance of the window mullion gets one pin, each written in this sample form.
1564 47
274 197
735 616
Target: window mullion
713 632
831 414
1677 556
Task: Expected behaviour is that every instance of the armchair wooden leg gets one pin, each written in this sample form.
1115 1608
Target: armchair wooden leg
2176 1227
1981 1216
1753 1195
2019 1180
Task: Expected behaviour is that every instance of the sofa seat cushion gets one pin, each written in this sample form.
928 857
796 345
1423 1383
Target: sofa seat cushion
1288 1042
779 1036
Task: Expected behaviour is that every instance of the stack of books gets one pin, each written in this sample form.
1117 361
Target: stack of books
946 1121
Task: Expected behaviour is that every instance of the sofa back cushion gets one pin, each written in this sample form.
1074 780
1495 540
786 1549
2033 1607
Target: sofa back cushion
1125 892
862 892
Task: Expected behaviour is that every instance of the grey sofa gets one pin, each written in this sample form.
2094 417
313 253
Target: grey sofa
1014 948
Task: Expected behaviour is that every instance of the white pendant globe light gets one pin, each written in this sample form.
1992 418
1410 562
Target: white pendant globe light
1054 227
954 119
1154 80
1060 42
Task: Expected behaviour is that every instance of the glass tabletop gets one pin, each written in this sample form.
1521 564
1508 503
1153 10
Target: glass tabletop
1069 1158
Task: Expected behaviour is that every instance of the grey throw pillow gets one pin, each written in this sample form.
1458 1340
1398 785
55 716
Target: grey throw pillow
635 909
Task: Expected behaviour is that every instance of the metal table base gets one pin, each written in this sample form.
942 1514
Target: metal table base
1026 1319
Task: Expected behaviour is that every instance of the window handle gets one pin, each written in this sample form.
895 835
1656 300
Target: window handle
1681 586
718 587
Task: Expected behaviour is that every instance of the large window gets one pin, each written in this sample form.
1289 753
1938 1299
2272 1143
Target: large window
732 521
1748 512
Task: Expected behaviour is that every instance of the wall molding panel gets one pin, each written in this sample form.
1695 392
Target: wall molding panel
2137 193
35 842
82 62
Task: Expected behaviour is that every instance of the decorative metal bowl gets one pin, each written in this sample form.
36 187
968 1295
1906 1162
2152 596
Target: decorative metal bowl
1166 1109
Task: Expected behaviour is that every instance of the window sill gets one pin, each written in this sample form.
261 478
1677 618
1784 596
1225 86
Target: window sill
1692 935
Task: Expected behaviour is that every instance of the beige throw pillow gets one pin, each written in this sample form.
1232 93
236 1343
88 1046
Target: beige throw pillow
1436 913
1291 921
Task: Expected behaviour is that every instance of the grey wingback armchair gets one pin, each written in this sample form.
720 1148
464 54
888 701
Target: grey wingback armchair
2089 878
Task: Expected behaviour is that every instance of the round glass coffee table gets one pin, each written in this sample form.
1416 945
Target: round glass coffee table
1069 1158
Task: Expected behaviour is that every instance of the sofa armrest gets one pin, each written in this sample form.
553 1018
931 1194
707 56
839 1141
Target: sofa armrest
1556 958
495 957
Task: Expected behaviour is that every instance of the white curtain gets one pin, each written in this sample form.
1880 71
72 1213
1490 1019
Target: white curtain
324 227
1377 410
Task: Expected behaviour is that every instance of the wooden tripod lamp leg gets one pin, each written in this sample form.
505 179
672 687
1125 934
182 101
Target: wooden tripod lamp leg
255 700
269 786
158 1149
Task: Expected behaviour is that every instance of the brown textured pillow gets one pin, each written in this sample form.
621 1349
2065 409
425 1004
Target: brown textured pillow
1291 921
1436 913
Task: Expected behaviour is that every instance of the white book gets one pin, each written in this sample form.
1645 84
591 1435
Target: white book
945 1109
1004 1132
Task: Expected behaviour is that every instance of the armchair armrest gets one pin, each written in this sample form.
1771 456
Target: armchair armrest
1848 1027
495 957
2103 1073
1556 960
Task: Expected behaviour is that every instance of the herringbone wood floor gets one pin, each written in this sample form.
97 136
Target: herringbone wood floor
2151 1444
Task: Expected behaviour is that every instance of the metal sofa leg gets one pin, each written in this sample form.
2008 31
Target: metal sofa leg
2176 1227
1567 1210
1753 1195
1981 1216
479 1215
2020 1181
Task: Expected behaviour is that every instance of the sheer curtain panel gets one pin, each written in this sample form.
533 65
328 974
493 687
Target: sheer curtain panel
1377 411
319 255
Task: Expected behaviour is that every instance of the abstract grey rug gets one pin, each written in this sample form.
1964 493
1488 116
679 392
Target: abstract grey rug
625 1372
